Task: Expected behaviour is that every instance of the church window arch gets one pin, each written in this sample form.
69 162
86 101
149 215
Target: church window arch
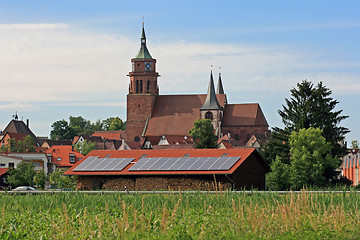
141 86
137 86
237 138
148 86
209 115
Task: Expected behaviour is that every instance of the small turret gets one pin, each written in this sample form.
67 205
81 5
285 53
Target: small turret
220 89
211 102
143 52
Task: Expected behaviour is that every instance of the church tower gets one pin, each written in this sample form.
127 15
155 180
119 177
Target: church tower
143 89
211 108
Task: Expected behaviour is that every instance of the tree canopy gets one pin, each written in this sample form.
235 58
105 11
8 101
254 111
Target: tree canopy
308 108
22 175
85 147
63 130
25 145
203 134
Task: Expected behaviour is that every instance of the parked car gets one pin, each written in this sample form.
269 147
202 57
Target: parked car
24 188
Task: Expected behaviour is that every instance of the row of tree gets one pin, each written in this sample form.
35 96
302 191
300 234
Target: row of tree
65 130
25 175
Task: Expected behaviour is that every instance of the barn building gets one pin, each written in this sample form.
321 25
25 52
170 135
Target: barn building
169 169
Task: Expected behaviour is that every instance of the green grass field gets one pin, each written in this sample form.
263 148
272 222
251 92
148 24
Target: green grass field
184 216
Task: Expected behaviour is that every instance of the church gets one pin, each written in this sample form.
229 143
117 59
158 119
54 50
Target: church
152 117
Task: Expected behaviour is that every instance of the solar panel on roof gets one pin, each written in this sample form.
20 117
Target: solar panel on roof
184 164
94 164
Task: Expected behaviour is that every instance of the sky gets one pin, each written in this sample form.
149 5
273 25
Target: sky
71 58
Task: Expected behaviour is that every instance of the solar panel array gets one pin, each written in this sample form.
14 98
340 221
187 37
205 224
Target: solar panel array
184 164
103 164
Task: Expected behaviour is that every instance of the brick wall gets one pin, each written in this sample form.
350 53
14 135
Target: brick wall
139 108
153 183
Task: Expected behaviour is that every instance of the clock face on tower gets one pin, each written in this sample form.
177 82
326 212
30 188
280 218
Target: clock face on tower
148 66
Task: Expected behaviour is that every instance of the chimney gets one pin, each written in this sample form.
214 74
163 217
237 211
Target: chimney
27 123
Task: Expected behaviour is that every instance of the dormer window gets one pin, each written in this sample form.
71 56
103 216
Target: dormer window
59 159
72 159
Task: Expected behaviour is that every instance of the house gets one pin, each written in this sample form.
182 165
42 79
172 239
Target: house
9 161
63 156
176 169
151 115
19 128
48 143
101 143
39 160
351 165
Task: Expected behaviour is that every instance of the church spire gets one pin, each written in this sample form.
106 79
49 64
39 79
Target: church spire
220 89
211 102
143 52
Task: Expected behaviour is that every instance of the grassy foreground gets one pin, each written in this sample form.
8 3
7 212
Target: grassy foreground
186 216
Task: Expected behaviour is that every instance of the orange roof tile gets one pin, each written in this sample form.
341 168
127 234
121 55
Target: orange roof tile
3 171
118 134
63 152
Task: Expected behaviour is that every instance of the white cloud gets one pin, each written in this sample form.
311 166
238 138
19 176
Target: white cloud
57 64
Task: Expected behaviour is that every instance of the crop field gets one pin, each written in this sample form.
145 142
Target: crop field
180 216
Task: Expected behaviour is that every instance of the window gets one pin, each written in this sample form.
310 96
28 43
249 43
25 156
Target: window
80 159
237 137
59 159
72 159
148 86
137 86
136 139
11 165
141 86
2 164
209 115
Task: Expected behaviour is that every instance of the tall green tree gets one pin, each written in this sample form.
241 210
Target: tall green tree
204 134
308 106
62 131
311 161
22 175
81 125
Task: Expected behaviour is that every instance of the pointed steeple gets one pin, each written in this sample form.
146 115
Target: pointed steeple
211 102
220 89
143 52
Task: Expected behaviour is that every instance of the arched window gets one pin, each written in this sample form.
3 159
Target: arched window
141 86
237 137
209 115
137 86
148 86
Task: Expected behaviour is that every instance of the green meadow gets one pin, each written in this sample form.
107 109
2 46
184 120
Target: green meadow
180 216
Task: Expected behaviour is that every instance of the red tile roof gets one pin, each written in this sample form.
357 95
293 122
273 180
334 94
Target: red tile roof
243 153
249 114
3 171
111 134
63 152
176 114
